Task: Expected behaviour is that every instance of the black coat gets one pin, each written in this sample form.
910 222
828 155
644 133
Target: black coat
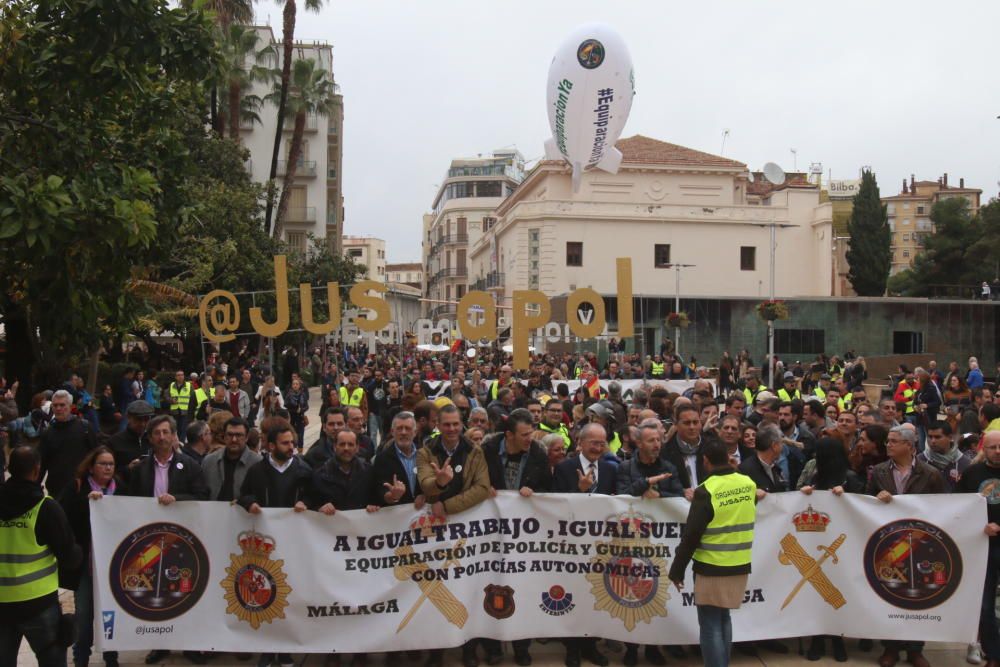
63 446
753 468
184 479
385 466
632 478
269 488
127 447
566 480
51 530
344 492
537 475
672 452
76 505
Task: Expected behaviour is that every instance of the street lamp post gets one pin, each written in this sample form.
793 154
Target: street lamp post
770 323
677 302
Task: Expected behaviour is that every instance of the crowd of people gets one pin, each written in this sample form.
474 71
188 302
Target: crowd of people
401 427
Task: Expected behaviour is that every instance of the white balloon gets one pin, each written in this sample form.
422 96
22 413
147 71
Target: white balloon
589 94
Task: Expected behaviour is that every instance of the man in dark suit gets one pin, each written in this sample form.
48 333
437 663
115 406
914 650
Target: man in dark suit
515 463
586 472
683 450
169 476
763 468
166 474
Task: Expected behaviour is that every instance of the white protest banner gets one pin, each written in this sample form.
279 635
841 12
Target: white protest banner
437 387
209 576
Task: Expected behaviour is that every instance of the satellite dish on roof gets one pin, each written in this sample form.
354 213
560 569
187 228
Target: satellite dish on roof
774 174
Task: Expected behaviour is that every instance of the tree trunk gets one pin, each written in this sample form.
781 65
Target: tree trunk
19 357
214 111
234 112
294 153
92 366
288 37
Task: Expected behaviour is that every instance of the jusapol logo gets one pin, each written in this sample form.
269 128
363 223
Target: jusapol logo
108 618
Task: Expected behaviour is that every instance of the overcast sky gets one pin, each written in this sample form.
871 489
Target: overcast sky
905 87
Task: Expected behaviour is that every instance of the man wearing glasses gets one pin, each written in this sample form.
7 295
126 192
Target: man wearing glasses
226 468
132 443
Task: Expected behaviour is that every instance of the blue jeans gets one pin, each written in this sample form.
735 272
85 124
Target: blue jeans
989 632
715 635
83 597
40 631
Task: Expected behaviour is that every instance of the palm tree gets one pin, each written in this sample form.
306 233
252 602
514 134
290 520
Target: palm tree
287 42
226 12
312 92
238 46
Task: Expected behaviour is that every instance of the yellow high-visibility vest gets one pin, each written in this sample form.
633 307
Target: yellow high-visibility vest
729 537
562 430
181 398
28 570
355 397
656 370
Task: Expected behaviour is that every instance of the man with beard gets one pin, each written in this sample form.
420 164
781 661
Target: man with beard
378 402
452 475
552 421
515 463
648 476
281 479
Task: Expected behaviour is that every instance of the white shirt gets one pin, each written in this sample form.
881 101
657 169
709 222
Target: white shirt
586 463
280 467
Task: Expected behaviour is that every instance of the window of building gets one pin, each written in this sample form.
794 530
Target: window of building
354 252
488 189
296 242
906 237
748 258
906 222
891 209
661 255
920 210
799 341
488 223
906 206
906 253
574 253
907 342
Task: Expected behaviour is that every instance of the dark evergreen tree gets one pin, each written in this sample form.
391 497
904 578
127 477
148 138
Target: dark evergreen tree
869 256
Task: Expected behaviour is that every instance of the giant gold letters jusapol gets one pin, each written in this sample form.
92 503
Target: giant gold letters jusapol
219 311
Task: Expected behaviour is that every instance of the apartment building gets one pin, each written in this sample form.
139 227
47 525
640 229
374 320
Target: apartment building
462 211
368 251
909 214
407 273
316 204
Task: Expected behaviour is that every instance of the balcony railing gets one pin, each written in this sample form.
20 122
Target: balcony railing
301 214
445 239
452 272
312 122
441 310
305 168
493 280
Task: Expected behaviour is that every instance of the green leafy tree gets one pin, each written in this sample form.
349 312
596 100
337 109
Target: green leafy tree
956 257
288 16
869 256
312 93
88 91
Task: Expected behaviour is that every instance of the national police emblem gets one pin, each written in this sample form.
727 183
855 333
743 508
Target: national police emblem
256 588
625 575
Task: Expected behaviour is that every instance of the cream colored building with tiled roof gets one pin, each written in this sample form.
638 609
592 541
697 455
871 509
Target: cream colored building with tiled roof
667 204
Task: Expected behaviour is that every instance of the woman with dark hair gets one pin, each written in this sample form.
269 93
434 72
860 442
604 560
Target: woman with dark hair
94 479
829 471
870 450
